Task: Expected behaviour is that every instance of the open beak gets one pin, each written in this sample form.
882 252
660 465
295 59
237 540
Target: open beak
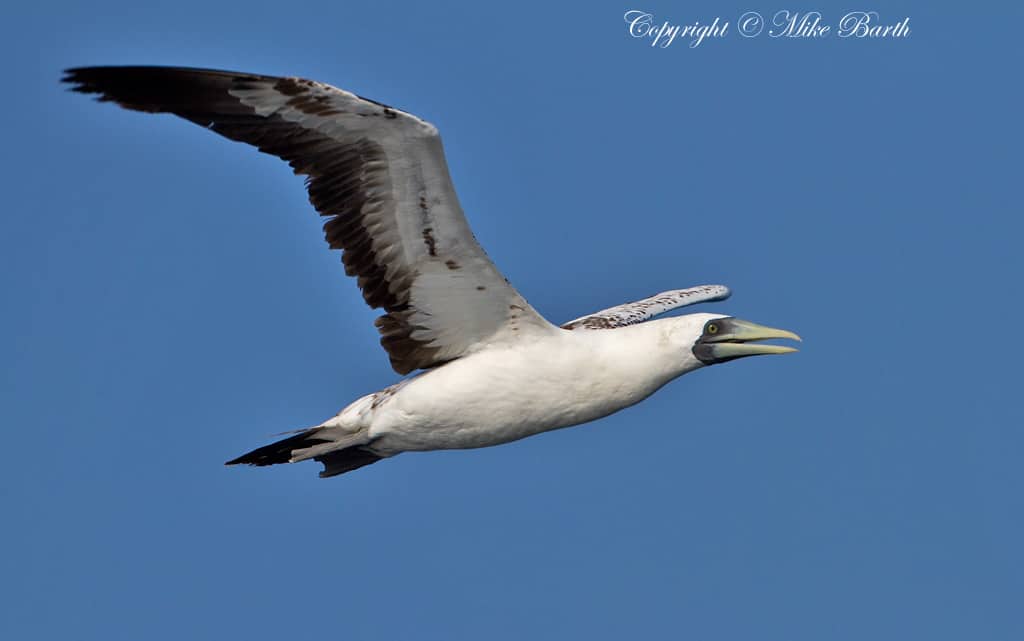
725 339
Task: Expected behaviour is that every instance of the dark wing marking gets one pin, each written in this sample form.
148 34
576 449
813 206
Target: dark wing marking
379 177
641 310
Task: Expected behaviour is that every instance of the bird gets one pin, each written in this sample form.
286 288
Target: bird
486 367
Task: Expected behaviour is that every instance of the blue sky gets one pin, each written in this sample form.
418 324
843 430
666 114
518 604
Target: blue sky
169 304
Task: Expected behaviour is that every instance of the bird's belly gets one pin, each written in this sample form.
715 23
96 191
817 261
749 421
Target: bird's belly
464 405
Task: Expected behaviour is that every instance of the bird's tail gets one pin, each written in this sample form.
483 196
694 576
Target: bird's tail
339 452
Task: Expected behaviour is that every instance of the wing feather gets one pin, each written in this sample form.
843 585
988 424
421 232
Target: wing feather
379 177
641 310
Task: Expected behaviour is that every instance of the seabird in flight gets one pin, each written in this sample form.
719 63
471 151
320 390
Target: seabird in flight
493 369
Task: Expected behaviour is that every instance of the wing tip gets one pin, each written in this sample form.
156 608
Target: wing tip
721 293
77 77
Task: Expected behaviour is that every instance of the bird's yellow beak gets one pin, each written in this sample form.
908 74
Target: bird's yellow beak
725 339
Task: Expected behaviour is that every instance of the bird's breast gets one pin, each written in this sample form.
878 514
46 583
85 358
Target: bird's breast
504 394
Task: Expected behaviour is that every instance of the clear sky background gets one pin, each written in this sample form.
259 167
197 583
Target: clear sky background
168 303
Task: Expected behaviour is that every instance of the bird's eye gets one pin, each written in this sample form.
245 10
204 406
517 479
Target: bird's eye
712 329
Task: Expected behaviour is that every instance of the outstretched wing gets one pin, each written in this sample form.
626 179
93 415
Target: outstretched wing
379 177
641 310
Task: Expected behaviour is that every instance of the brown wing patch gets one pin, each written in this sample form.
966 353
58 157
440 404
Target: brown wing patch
347 180
591 322
430 241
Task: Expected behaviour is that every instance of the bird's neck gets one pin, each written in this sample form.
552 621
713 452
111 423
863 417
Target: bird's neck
641 358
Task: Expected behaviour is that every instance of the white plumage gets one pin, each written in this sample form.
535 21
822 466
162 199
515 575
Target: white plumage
496 371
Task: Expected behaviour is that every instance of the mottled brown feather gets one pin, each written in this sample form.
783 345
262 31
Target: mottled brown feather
343 177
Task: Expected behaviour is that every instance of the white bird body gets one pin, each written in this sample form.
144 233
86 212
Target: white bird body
510 391
494 370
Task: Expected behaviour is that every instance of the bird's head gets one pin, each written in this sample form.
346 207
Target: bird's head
715 338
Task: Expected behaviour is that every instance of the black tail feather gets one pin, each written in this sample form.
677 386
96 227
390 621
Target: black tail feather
335 462
281 451
346 460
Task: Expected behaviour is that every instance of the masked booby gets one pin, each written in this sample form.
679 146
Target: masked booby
494 370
